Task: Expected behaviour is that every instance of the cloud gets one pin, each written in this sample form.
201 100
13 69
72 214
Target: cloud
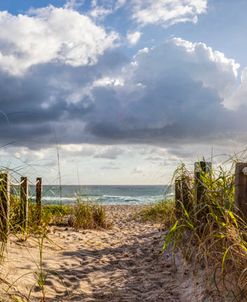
119 102
110 166
182 151
50 97
109 153
73 4
167 12
29 159
180 99
91 150
103 8
78 150
100 12
120 3
155 158
58 35
149 12
139 170
133 37
239 96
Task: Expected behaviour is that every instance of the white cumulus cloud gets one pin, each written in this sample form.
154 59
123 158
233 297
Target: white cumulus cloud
134 37
50 35
167 12
238 97
210 66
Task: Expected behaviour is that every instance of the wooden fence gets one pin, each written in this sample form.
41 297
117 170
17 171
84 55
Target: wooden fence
202 169
182 194
5 199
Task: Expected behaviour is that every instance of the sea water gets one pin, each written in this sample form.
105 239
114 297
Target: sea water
103 194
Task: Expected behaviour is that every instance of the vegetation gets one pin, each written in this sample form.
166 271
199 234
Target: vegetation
87 215
211 234
161 212
83 215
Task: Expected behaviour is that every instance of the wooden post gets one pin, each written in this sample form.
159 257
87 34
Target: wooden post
38 198
241 188
24 203
4 208
182 194
201 168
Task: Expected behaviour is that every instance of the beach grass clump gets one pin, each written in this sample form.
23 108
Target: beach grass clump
56 214
86 215
50 215
161 212
212 235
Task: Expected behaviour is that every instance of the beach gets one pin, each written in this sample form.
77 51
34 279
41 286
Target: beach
122 263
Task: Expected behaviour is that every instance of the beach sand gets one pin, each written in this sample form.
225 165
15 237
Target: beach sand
122 263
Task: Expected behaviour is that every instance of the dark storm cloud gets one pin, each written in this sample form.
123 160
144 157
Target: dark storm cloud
33 105
170 94
164 113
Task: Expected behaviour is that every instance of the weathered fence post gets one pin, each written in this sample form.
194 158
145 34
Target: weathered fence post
182 194
201 168
4 208
38 198
241 188
24 203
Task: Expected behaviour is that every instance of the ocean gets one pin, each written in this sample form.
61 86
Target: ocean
111 195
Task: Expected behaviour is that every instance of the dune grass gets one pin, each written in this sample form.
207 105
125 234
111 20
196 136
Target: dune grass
162 212
86 215
211 234
82 215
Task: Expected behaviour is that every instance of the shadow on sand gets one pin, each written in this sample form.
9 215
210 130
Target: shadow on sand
134 271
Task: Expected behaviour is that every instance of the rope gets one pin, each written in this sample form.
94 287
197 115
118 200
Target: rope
17 183
21 182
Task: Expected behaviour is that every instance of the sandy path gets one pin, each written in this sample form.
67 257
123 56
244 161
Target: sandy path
120 264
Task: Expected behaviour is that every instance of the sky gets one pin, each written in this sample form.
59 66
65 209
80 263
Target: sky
120 92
